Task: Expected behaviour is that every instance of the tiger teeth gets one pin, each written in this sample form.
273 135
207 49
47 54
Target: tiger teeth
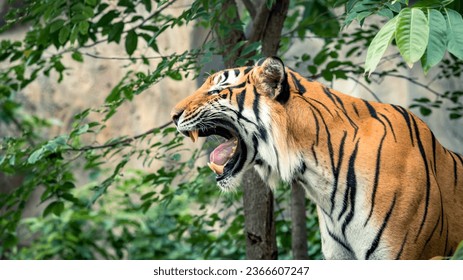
218 169
194 135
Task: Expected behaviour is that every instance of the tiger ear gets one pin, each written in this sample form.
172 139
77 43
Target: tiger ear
270 76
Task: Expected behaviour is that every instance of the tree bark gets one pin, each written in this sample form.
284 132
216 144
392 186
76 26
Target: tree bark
298 219
259 221
272 35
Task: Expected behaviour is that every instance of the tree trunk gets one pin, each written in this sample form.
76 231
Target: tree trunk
298 218
259 221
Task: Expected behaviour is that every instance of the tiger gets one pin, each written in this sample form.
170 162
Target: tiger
383 185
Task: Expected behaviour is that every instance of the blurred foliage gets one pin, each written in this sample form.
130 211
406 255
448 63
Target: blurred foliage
175 212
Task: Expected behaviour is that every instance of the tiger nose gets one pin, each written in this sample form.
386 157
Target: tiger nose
176 113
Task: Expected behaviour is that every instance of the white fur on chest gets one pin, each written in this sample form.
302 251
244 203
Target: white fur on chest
343 238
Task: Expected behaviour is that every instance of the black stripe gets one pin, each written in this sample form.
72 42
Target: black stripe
461 162
432 233
399 254
455 173
240 97
351 184
278 159
347 115
337 101
460 158
355 110
390 125
371 110
317 126
255 143
329 94
406 116
230 94
339 241
238 86
434 142
297 83
441 214
375 243
347 191
263 133
302 167
335 168
283 95
237 72
314 154
255 103
255 107
376 179
428 179
446 239
323 105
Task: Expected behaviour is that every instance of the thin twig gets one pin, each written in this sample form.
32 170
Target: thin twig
413 81
365 87
121 142
156 13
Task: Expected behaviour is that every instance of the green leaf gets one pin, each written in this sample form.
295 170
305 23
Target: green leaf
147 4
9 241
36 156
425 111
175 75
83 129
57 24
432 3
77 56
454 116
83 27
458 252
91 2
412 34
385 12
107 18
64 34
115 32
454 33
437 40
379 45
131 42
56 207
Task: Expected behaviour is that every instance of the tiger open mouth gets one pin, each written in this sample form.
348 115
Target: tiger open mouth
224 157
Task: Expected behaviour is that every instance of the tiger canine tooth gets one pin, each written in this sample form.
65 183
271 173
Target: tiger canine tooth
194 135
218 169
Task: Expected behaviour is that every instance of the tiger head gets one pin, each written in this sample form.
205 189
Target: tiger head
245 107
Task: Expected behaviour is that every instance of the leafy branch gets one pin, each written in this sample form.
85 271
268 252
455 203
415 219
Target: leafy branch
120 142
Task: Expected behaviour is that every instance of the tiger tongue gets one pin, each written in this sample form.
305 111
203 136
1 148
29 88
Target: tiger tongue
223 152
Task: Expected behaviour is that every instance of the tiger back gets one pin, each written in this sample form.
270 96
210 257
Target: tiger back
384 187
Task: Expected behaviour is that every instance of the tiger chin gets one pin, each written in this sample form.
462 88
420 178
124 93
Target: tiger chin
384 187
